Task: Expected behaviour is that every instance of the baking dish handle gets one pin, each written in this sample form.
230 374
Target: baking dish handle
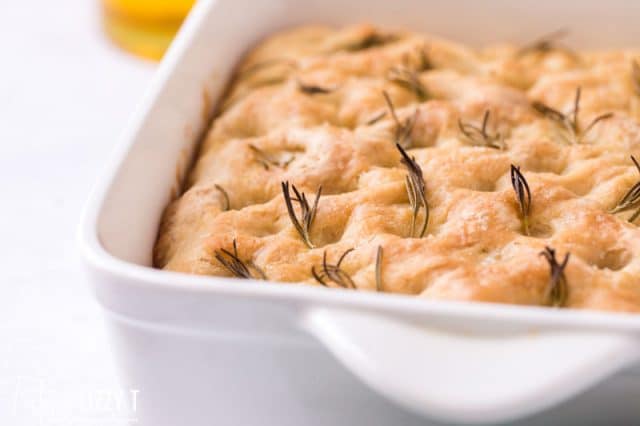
465 378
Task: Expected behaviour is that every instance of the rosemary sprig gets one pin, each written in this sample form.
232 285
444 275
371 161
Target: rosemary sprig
373 39
569 122
479 135
635 76
312 89
227 205
558 290
415 191
408 79
545 44
267 160
631 199
237 267
375 118
333 273
419 64
379 269
424 62
523 195
307 213
403 128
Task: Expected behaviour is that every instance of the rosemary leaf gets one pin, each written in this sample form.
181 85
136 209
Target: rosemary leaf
479 135
549 113
404 129
595 121
227 205
415 192
311 89
545 44
523 195
237 267
635 163
569 122
558 290
373 39
409 80
375 118
307 212
631 199
333 273
417 60
424 63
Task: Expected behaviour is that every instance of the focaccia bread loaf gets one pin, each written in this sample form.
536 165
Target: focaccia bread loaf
316 107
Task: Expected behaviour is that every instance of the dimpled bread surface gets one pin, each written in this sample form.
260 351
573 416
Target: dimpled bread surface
340 134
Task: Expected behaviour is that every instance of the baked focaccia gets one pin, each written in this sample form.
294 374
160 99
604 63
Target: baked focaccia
398 162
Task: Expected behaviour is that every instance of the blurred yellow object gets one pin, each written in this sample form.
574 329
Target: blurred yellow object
144 27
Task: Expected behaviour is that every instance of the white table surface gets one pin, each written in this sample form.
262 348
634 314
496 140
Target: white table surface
65 94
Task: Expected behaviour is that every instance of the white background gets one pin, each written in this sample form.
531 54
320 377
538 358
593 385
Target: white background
65 94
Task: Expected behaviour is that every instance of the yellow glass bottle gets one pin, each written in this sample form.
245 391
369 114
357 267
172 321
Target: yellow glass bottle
144 27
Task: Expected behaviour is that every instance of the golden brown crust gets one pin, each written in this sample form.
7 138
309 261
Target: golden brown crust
306 108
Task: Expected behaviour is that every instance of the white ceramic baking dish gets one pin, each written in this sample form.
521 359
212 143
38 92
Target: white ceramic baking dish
205 350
